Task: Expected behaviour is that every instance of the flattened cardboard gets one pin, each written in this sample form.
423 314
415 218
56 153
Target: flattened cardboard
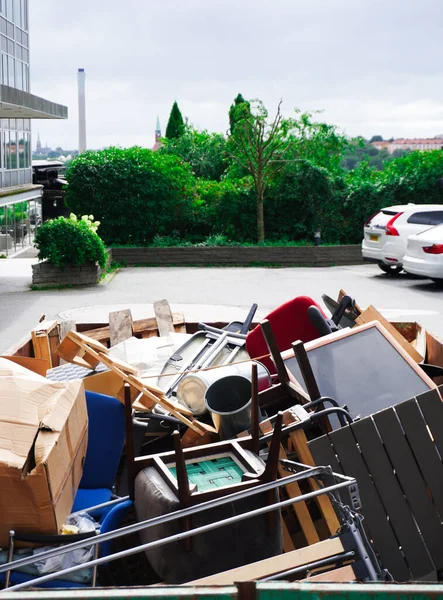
43 441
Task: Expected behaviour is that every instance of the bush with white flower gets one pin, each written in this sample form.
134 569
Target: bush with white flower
71 241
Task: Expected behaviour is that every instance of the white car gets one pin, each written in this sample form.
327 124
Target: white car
424 254
386 232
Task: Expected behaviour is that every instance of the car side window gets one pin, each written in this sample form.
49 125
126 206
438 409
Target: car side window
431 217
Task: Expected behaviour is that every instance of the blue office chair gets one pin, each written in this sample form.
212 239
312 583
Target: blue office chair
106 437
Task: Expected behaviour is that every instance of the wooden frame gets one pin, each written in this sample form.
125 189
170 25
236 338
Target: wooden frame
346 333
235 448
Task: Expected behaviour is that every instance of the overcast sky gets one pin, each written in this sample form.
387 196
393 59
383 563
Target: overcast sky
372 66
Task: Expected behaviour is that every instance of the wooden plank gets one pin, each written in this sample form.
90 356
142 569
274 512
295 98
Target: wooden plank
288 544
412 483
54 341
434 347
433 414
163 316
64 327
376 520
36 365
84 341
300 444
391 494
341 575
293 491
41 342
71 352
120 326
372 314
323 455
423 447
140 327
420 341
275 564
300 508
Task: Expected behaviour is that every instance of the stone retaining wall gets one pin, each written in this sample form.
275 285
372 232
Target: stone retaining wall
44 273
296 256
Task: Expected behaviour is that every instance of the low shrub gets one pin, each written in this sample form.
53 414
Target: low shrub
70 241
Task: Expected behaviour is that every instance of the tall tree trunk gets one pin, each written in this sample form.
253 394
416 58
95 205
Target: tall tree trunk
260 215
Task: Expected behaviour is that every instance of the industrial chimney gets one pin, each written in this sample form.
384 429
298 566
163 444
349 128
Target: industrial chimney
81 111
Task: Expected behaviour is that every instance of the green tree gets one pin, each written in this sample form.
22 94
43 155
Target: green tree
258 145
175 127
376 138
204 151
263 147
235 113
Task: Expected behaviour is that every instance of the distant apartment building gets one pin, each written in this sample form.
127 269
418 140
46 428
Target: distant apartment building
410 144
20 199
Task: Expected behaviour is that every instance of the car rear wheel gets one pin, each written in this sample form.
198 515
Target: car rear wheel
391 269
438 282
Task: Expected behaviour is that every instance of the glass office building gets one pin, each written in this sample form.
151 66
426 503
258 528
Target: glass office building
20 200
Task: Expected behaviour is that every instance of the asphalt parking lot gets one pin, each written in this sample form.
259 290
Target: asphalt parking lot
213 293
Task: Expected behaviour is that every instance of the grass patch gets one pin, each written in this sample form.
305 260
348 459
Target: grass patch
55 286
213 241
113 267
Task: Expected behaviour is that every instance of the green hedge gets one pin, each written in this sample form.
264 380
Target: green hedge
134 192
139 195
71 241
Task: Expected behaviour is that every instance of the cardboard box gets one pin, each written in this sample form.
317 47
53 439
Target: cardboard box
43 442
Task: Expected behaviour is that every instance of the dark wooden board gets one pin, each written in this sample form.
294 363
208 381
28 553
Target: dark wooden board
392 497
412 483
433 413
376 520
423 447
324 454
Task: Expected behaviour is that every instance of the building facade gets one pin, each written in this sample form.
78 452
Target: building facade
20 200
410 144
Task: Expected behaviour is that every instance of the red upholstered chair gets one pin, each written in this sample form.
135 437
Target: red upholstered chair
289 322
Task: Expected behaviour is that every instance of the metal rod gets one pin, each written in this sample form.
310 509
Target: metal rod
167 540
325 562
340 412
104 537
210 329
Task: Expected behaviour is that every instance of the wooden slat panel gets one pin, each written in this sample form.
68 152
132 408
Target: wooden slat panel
376 520
324 454
300 444
412 483
433 413
423 448
392 496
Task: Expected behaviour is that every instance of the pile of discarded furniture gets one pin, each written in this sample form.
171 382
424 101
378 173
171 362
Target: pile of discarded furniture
307 447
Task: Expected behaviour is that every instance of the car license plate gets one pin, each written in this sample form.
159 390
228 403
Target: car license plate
374 238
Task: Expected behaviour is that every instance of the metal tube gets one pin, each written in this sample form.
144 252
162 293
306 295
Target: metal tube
185 368
325 562
81 111
312 417
104 537
10 556
170 539
232 334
